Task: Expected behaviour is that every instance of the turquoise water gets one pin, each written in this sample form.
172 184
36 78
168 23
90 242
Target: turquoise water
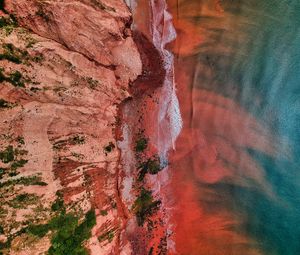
251 54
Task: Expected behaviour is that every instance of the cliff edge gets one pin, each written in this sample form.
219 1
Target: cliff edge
65 66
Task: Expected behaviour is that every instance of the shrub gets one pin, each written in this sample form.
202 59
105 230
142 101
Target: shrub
38 230
7 155
17 164
26 181
12 174
90 218
58 205
103 212
141 144
109 236
2 76
77 140
2 6
71 140
144 206
8 24
4 22
4 104
20 140
2 172
108 148
22 197
15 78
151 166
41 13
154 166
13 54
23 200
10 54
70 236
92 83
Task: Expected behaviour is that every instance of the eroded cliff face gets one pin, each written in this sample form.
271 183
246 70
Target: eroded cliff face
65 68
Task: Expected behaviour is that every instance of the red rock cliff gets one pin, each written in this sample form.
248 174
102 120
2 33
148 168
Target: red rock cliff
65 68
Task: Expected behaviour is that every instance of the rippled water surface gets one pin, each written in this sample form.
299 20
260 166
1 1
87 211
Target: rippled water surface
236 167
235 177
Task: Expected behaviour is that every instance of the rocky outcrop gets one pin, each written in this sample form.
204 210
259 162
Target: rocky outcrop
65 68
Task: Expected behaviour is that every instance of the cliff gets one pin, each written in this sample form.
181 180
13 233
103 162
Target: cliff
65 68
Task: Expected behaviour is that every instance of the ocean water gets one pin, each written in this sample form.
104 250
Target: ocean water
236 167
233 175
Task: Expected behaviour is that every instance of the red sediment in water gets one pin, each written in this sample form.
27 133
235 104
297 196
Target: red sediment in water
209 150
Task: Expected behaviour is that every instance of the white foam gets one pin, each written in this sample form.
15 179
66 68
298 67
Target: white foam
169 117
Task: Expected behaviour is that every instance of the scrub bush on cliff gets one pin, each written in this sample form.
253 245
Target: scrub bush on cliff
145 206
69 235
2 6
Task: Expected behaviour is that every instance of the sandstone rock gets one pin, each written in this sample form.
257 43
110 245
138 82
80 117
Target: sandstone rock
77 60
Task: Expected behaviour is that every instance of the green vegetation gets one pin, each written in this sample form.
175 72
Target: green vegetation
58 205
2 6
154 166
17 56
16 79
1 230
20 152
151 166
34 89
102 6
8 24
13 54
22 197
150 251
20 140
69 235
109 236
145 206
23 200
93 84
108 148
37 58
5 104
26 181
30 42
17 164
12 174
77 139
103 212
41 13
38 230
2 172
141 144
7 155
63 241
